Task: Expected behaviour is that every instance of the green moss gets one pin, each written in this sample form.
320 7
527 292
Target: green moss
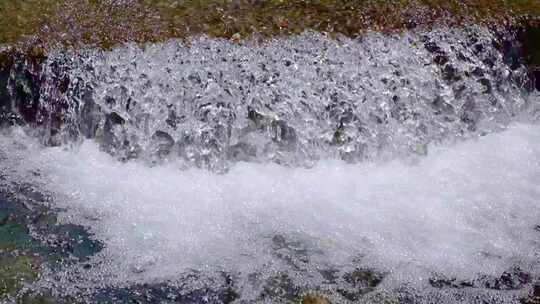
14 236
15 272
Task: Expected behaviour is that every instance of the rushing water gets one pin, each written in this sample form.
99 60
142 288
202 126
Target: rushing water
297 160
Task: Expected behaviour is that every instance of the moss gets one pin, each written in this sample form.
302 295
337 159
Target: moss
15 272
14 236
45 299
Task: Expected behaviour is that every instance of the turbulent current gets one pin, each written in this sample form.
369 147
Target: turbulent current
393 167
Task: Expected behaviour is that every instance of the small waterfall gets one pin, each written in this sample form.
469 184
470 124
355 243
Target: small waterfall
211 103
398 167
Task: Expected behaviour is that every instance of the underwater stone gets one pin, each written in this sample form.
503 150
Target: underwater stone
91 116
510 280
362 281
314 299
162 143
242 152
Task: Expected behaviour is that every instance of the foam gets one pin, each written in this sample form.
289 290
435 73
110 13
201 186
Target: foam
463 210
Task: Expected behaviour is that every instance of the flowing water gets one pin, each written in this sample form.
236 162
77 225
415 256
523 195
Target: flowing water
389 166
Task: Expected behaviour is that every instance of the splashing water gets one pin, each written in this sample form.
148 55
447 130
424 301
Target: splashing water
413 154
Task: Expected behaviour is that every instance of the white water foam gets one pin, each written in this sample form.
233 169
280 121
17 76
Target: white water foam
463 210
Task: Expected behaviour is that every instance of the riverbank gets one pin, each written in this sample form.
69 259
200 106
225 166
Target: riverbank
43 24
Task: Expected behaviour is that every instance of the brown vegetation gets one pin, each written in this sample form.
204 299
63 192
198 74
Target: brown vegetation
42 24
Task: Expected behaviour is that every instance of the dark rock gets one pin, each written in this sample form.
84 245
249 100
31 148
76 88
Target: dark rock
166 293
162 143
478 72
432 47
442 107
283 134
330 275
469 114
293 252
442 282
242 152
255 117
115 140
5 99
534 297
314 299
510 280
530 38
73 240
281 287
441 59
362 281
487 85
536 76
91 115
114 119
450 73
19 90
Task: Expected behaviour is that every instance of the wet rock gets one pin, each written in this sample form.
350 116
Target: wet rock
530 38
163 293
487 85
443 282
283 134
469 114
536 75
292 251
509 280
5 100
242 152
329 275
73 241
30 237
361 281
19 89
25 91
281 287
432 47
116 140
314 299
534 297
450 73
114 119
162 143
113 126
442 107
91 116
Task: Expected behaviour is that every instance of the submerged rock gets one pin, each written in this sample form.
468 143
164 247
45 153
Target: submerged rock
315 299
361 282
31 240
16 271
509 280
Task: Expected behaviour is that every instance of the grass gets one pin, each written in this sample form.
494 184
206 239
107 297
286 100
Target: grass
41 24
